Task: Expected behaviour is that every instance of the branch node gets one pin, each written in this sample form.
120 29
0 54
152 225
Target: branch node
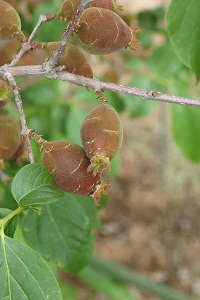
154 93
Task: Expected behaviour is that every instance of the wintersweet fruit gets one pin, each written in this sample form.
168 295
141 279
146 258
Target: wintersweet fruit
69 7
20 155
68 163
108 4
72 58
10 23
101 135
10 136
8 50
101 31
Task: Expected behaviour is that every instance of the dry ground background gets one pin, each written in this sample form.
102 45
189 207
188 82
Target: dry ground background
151 222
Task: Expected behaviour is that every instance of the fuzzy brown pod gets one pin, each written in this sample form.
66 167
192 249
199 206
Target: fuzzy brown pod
108 4
20 155
101 135
10 136
102 31
69 7
68 163
10 22
72 58
8 50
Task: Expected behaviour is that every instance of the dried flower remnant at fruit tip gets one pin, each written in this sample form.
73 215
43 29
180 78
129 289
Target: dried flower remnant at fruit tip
101 136
67 163
133 44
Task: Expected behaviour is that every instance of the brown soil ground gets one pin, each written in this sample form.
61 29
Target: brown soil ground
151 222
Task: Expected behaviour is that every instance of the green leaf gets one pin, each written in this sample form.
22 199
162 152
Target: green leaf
164 62
102 283
86 96
122 274
88 206
24 274
50 31
114 167
33 184
185 127
149 19
138 107
61 233
40 121
6 198
12 224
74 121
184 32
43 93
59 115
114 100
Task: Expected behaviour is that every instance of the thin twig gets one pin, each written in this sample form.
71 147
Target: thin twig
18 100
26 46
50 64
97 84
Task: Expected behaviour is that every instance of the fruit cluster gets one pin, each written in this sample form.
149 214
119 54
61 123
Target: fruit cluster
100 30
77 169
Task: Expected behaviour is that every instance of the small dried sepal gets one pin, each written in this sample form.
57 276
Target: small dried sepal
37 138
133 42
117 7
100 189
98 164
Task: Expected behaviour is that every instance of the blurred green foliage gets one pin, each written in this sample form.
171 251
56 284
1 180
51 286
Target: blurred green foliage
55 110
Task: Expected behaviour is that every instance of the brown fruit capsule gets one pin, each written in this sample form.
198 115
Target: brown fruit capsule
101 31
101 135
20 155
8 50
72 58
108 4
69 7
10 136
10 23
67 163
